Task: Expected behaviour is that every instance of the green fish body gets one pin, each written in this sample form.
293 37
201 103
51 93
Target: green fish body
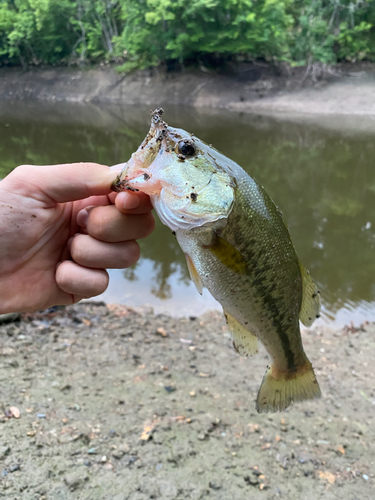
238 247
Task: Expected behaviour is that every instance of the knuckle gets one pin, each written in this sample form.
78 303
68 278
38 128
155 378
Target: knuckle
150 224
19 176
21 169
146 225
102 281
63 276
76 247
131 253
98 224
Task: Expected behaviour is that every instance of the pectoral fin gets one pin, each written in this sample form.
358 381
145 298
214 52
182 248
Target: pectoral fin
194 274
244 342
310 307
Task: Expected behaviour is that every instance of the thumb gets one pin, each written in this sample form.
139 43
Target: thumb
61 183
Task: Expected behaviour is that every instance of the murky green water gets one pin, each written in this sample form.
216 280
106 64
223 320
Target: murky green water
323 181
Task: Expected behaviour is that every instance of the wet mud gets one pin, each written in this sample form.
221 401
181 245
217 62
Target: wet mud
108 402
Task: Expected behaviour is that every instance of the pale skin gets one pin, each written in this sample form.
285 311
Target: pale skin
61 227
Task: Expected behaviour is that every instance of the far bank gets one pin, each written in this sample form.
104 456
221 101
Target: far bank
254 88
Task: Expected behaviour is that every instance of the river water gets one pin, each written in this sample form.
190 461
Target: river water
322 179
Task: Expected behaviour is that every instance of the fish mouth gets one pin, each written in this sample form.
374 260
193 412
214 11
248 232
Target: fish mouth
138 179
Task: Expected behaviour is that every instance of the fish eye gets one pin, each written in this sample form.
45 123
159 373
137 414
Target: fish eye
186 148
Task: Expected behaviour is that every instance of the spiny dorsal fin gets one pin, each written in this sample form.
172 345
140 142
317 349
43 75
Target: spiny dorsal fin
244 342
194 274
310 307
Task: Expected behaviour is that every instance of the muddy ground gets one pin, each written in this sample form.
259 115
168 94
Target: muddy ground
114 403
346 90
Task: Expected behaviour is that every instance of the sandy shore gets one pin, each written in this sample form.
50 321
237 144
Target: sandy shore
107 402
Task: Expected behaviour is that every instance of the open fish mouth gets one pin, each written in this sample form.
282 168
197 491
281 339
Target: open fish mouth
137 174
186 187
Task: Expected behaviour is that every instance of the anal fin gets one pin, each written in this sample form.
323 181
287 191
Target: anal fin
278 390
244 342
194 275
310 307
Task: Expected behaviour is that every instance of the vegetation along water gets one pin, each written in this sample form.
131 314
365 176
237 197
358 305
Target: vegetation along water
139 34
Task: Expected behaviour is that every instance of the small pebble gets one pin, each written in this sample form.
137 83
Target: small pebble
169 388
14 467
73 480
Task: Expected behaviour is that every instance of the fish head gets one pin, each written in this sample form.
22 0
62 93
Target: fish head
185 178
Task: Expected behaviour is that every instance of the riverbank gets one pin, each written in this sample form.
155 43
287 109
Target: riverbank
111 402
252 88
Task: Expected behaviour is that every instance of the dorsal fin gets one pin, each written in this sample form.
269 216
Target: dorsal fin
244 342
310 307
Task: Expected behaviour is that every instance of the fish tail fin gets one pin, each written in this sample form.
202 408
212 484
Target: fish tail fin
279 390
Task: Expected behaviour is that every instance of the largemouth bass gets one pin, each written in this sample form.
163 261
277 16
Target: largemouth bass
237 245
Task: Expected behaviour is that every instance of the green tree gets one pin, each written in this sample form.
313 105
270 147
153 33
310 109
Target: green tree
158 30
146 33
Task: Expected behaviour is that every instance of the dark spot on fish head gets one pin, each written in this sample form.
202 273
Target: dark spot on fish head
193 196
146 176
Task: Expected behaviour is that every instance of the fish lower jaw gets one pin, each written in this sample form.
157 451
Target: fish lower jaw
143 181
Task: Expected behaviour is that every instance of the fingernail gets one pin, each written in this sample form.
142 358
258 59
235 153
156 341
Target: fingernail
128 201
83 216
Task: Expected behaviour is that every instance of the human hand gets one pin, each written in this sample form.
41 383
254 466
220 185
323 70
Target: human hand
61 226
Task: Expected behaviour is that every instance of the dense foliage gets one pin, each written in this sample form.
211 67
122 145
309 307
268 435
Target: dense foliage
141 33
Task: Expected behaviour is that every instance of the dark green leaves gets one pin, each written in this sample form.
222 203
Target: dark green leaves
144 33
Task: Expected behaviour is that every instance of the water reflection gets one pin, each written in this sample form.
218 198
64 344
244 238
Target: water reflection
323 180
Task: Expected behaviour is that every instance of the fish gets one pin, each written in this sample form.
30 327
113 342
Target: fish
238 246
